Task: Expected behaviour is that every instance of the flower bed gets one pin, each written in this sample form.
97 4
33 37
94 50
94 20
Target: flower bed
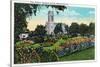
28 52
75 44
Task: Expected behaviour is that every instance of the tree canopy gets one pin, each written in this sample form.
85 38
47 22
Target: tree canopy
84 29
74 29
40 30
92 28
58 28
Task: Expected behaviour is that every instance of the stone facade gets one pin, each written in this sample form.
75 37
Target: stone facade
50 24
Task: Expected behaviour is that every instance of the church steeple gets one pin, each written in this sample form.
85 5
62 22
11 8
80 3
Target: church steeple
50 16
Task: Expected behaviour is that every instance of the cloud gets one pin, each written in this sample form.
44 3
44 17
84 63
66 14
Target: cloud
69 14
91 12
73 13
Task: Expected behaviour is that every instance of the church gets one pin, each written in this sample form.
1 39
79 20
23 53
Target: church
50 24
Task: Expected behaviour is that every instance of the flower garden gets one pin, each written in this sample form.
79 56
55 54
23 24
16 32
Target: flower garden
50 51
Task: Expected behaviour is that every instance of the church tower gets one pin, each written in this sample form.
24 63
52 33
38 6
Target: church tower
50 16
50 25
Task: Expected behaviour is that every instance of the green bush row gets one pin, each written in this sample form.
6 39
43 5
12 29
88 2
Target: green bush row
29 53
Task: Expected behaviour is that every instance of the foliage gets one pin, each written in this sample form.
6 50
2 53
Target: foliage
35 46
60 42
65 37
74 29
27 52
40 30
24 52
47 44
84 29
38 39
58 28
50 39
21 12
92 28
56 46
76 41
39 34
48 56
23 44
87 54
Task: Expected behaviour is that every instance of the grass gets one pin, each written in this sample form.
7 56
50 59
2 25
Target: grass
87 54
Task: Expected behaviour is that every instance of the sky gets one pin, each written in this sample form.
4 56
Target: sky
71 14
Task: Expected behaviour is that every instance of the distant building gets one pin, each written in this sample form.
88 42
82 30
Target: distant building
50 24
23 36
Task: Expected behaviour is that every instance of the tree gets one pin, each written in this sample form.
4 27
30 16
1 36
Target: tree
39 34
74 29
40 30
23 11
31 33
84 29
58 28
92 28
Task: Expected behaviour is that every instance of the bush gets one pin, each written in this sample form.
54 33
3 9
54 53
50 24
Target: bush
25 55
24 52
60 42
38 39
53 56
48 56
47 44
65 37
35 46
56 48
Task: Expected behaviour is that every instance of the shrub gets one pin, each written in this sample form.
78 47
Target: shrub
65 37
38 39
24 52
56 48
25 55
48 56
47 44
23 44
53 56
35 46
60 42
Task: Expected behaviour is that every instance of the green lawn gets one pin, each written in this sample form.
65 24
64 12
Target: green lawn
87 54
